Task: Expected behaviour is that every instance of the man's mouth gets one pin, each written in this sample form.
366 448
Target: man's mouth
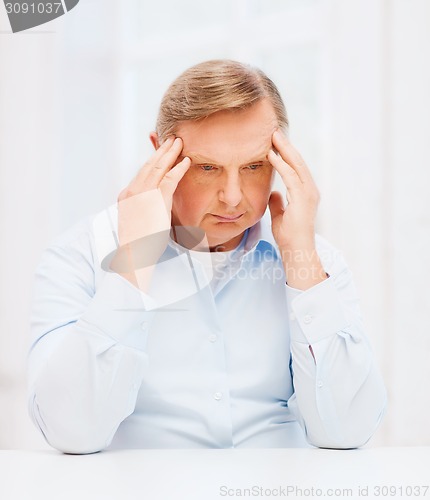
228 218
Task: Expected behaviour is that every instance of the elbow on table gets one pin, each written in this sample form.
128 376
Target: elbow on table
72 434
351 430
82 443
72 438
346 438
344 444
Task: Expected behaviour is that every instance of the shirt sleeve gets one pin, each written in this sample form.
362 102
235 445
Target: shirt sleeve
339 396
87 358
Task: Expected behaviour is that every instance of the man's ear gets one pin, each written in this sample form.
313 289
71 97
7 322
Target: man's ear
154 139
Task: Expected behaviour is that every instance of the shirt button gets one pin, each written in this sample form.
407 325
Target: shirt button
218 396
307 319
212 338
144 326
320 383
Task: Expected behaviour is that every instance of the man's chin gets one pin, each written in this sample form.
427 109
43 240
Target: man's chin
224 240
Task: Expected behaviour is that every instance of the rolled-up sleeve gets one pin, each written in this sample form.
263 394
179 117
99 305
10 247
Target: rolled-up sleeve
87 358
339 396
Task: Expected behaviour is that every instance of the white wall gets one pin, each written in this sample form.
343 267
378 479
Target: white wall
78 97
29 206
407 217
376 206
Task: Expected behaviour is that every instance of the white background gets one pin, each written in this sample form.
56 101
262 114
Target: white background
79 95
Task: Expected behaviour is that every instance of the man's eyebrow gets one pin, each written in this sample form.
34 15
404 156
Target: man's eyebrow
199 159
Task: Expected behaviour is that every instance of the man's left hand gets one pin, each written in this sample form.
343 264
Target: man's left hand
293 226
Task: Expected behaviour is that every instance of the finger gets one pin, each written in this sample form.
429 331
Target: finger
276 204
169 156
171 180
151 174
161 150
157 168
291 156
289 176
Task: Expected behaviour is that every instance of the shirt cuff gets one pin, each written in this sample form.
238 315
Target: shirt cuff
121 311
316 313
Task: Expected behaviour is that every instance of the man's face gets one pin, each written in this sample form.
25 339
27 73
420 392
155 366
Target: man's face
227 187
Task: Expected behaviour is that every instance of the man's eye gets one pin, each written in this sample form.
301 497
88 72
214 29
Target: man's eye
254 166
207 168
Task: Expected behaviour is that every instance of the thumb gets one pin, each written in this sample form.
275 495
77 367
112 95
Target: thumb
276 204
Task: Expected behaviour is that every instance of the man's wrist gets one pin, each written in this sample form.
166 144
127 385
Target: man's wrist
302 265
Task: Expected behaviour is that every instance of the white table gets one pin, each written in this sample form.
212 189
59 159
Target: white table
216 474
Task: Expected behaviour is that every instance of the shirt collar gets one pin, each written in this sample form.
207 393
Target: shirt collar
260 234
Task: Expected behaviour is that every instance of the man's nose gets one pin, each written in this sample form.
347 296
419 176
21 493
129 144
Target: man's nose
231 191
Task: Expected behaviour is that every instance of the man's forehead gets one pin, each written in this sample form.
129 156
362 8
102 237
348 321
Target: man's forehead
231 136
241 152
243 148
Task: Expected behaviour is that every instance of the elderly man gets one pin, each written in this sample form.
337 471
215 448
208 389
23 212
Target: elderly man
184 316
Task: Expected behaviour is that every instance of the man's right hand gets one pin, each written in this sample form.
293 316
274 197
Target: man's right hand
144 209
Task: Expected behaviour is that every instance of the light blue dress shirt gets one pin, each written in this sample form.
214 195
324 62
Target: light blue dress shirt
250 362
